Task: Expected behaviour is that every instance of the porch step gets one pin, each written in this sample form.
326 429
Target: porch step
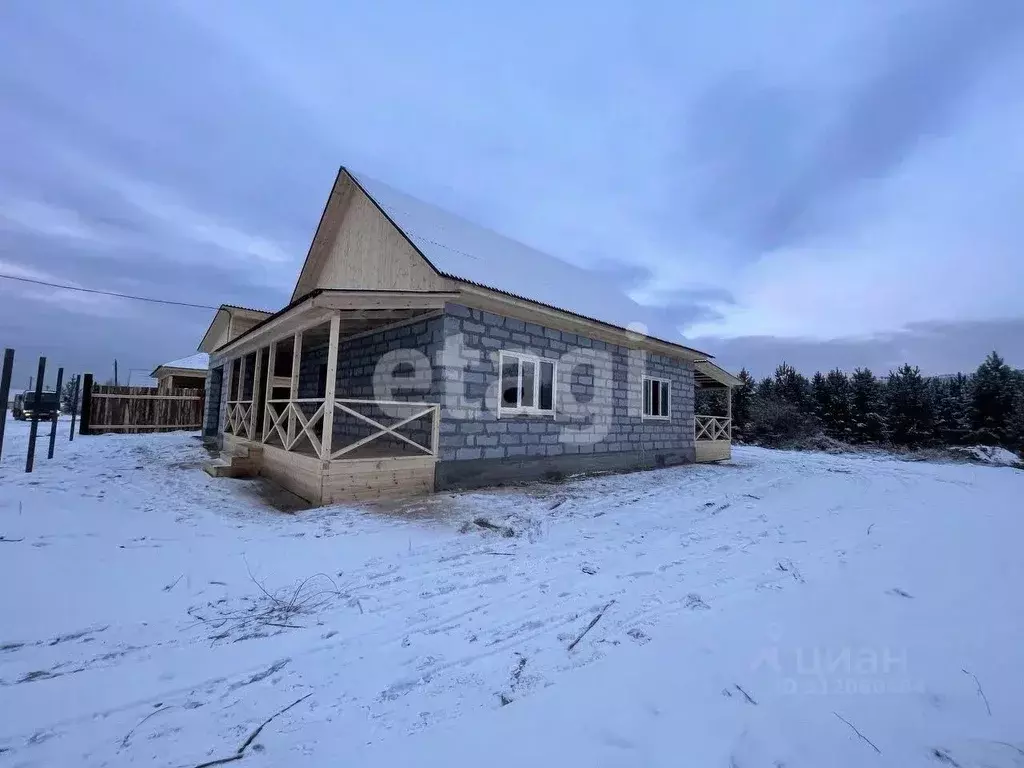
236 461
242 451
221 468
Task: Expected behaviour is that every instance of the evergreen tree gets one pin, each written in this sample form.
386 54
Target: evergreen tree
741 397
948 398
819 397
765 389
792 387
837 402
908 407
67 396
1015 428
867 424
992 400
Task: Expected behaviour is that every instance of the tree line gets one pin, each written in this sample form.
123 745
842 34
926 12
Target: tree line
904 408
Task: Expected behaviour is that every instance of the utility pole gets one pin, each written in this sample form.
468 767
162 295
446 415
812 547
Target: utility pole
115 371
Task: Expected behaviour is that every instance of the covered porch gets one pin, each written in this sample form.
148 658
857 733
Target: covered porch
300 404
713 433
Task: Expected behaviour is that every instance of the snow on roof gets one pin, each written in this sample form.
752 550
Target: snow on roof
196 362
465 251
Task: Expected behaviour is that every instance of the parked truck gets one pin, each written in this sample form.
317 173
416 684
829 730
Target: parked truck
25 406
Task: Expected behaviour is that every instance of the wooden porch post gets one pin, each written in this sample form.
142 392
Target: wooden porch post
241 378
293 391
268 412
728 409
251 431
327 435
230 367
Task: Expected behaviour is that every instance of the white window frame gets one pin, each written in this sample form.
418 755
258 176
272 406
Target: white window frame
644 399
533 410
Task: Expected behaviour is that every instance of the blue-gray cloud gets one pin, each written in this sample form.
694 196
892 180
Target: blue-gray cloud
184 150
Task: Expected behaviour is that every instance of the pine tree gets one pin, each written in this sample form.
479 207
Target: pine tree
67 395
948 398
867 424
836 417
992 401
765 389
1015 427
741 397
908 407
792 387
819 397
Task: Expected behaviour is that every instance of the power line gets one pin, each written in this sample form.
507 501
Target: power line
106 293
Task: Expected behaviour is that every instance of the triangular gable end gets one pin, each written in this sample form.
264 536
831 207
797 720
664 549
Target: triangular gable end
357 247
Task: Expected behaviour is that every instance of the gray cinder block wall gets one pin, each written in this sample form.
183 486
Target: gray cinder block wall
214 386
597 423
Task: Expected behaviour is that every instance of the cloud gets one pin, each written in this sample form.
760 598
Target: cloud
29 288
48 221
798 171
938 348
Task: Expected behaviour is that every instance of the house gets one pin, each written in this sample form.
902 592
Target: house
421 352
186 373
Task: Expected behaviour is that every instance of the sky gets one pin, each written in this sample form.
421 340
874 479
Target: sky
831 184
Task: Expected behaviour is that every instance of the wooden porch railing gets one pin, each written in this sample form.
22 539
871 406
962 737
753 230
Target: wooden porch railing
238 420
712 428
290 420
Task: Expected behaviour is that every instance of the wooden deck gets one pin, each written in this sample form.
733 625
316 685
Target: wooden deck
367 478
712 438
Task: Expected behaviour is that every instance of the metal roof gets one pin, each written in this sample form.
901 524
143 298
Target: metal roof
468 252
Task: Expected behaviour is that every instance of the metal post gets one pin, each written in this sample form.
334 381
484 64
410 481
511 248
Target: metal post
30 459
5 391
74 407
56 414
83 426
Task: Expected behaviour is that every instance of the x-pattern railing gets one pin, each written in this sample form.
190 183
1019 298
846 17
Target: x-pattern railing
288 422
423 410
239 420
712 428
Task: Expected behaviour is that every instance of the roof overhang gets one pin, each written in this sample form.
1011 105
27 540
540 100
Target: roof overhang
163 370
222 320
360 310
707 374
503 303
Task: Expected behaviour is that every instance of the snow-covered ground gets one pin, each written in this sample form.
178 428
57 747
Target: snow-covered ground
757 613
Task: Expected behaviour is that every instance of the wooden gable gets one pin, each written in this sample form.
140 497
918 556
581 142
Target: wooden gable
357 247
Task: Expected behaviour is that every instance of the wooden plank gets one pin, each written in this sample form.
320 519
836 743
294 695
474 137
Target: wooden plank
299 474
144 409
147 397
364 250
419 317
250 429
327 425
145 427
713 450
240 394
293 385
381 300
269 395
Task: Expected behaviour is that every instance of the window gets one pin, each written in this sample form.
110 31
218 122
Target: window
657 398
527 384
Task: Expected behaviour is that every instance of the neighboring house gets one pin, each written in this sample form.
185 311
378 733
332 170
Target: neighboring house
422 352
186 373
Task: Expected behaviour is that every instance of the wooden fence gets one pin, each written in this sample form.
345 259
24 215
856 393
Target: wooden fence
127 410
